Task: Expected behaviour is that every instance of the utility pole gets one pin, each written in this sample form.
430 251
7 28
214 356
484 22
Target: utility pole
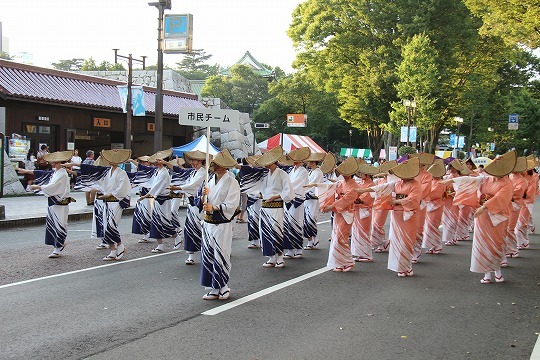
129 110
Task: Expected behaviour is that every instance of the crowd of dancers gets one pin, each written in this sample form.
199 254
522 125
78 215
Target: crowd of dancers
286 195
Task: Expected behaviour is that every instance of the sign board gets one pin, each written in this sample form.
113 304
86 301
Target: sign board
102 122
178 34
262 125
296 120
513 121
150 127
461 142
392 153
204 117
412 134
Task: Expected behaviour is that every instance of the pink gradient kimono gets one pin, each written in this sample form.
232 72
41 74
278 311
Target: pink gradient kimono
522 226
490 227
467 202
361 227
520 185
434 210
424 178
380 209
342 195
450 213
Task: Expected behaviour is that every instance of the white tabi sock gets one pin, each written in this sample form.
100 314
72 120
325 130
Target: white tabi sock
298 252
279 258
190 256
487 275
113 253
498 273
272 259
161 247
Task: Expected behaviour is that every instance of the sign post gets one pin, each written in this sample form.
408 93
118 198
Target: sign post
178 34
513 121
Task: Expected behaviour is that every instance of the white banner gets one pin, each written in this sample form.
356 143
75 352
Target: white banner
229 119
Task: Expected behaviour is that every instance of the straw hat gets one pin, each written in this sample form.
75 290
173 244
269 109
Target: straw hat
315 157
407 170
469 161
456 164
299 154
116 156
144 158
464 170
251 160
426 159
387 166
100 162
224 159
502 165
366 169
270 157
348 167
328 164
58 156
361 161
175 162
195 155
437 170
530 162
285 160
160 155
521 164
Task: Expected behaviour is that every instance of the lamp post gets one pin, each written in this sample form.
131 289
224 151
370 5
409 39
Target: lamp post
409 106
161 5
129 109
459 121
350 139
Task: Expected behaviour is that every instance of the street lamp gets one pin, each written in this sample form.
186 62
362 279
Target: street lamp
350 139
409 106
129 109
161 5
459 121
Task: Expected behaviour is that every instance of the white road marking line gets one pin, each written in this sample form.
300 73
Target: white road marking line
264 292
87 269
323 222
535 355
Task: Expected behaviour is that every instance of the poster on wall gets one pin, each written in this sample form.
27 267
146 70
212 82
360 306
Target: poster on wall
18 149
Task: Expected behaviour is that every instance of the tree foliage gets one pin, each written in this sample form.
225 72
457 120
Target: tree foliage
74 64
78 64
194 66
5 55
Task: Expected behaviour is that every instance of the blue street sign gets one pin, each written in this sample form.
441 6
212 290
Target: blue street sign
513 120
176 26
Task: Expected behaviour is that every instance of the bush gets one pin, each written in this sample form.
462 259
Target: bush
406 150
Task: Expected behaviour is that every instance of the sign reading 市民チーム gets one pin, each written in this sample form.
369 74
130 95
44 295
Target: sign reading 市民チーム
203 117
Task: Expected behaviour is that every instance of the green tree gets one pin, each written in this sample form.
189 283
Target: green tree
5 55
74 64
194 67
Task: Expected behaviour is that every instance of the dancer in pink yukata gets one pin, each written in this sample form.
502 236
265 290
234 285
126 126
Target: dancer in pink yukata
424 178
466 212
431 239
451 210
491 218
404 220
339 197
381 207
361 247
522 227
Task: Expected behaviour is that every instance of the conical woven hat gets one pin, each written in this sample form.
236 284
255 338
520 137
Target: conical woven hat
160 155
502 165
464 169
116 156
251 160
530 162
366 169
58 156
315 157
348 167
299 154
270 157
100 162
144 158
361 161
328 164
285 160
194 155
408 169
456 164
426 159
179 162
224 159
437 170
521 164
387 166
469 161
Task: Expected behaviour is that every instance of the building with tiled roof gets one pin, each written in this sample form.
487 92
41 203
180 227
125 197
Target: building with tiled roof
256 66
56 107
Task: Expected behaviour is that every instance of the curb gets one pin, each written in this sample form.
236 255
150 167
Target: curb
40 220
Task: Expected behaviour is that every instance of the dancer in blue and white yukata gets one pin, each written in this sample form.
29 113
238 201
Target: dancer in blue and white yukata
311 205
161 226
142 215
293 237
193 225
55 185
250 177
221 206
179 177
276 188
116 190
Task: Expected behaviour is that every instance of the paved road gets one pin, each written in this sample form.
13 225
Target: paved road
150 306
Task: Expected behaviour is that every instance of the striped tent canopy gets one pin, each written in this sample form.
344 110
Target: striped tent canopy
358 153
290 142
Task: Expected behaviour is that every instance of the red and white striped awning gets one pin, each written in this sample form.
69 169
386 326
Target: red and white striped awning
290 142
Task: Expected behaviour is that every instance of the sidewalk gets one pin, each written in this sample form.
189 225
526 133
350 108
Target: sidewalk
32 209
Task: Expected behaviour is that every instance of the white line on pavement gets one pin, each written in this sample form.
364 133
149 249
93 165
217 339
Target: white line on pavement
264 292
536 351
87 269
